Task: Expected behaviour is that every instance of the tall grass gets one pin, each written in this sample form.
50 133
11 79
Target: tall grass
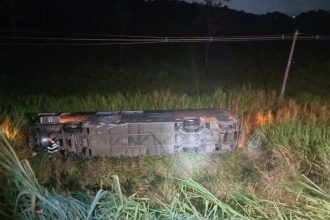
286 175
245 99
34 201
193 201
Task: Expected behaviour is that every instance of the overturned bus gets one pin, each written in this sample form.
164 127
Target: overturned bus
133 133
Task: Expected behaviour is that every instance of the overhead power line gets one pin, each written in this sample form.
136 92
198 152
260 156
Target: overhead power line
76 44
48 33
133 40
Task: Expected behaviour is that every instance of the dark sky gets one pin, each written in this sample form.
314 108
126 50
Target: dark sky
290 7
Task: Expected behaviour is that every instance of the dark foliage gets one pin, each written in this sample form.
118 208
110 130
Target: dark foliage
159 17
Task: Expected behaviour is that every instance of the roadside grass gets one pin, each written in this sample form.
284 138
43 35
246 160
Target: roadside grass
192 200
283 172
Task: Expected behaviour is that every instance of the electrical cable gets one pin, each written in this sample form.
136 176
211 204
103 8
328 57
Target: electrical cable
69 41
81 34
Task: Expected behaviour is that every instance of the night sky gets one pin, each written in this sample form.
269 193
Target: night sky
290 7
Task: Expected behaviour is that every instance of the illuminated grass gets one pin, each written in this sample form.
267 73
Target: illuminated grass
9 129
192 201
286 176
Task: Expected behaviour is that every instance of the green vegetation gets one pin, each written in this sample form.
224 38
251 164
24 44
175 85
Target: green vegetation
283 172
